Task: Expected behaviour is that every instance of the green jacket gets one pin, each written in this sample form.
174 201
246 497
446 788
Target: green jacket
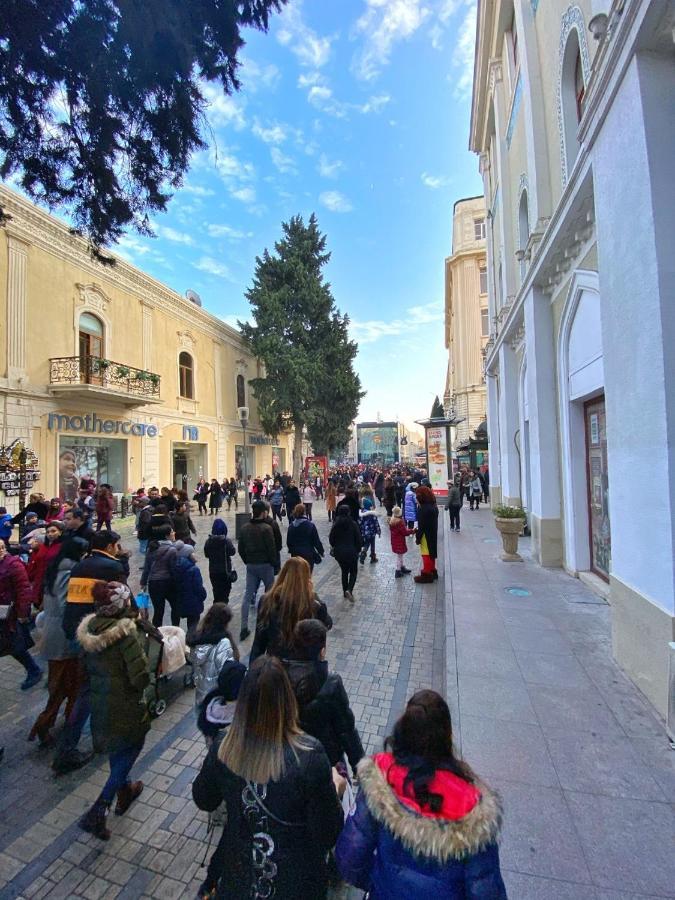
118 674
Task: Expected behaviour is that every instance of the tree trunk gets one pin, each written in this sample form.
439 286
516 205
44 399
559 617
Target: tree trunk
297 451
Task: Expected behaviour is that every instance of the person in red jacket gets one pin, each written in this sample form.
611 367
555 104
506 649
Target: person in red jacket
398 533
40 558
16 597
104 509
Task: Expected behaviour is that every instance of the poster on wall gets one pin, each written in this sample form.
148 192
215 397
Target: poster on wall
316 467
437 456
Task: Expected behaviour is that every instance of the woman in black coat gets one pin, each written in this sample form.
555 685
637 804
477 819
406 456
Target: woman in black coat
351 501
427 534
215 497
219 551
346 541
323 703
283 811
291 499
303 538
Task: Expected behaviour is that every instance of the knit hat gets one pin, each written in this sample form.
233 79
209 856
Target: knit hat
110 597
367 503
413 485
219 527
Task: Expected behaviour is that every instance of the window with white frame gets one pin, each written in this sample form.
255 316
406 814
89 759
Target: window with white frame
485 321
483 279
479 230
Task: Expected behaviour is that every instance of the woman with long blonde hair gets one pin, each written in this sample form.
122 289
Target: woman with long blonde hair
290 599
283 812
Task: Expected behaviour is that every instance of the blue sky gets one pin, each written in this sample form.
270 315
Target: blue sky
357 110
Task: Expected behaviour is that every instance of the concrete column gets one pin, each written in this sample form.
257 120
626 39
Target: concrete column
493 437
543 430
635 219
509 423
17 267
147 336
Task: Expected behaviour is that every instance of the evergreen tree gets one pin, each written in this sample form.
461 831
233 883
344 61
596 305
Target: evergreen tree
303 341
437 411
102 104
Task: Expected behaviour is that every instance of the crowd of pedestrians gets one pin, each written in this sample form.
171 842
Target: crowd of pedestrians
302 806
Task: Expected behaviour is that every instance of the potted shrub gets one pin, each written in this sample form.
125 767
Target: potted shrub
509 521
122 372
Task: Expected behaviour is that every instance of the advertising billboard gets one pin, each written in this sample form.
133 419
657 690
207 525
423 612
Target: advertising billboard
316 467
377 443
437 457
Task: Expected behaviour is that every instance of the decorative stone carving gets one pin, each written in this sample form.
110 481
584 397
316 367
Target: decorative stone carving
93 296
186 340
496 73
573 18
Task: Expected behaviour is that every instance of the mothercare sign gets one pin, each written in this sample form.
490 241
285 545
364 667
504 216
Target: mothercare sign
92 424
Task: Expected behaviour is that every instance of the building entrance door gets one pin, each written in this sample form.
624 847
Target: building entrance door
188 466
598 487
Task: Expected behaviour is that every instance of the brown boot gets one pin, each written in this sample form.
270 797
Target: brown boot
93 821
126 796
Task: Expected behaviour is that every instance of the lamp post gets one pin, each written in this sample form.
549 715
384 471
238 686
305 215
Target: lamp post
241 519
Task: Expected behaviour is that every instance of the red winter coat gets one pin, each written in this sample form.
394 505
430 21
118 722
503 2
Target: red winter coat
104 507
37 568
15 588
399 532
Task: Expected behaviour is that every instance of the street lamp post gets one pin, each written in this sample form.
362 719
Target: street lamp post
242 518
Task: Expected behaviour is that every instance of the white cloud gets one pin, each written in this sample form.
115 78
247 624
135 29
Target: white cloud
335 201
371 330
245 194
436 35
222 108
312 50
178 237
463 56
255 76
226 231
383 24
319 94
328 169
307 79
212 267
129 246
197 190
283 162
435 181
375 104
270 134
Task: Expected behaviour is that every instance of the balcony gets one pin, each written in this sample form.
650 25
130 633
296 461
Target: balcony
103 379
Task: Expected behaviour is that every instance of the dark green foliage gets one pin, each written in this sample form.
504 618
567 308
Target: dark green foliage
437 411
100 100
303 341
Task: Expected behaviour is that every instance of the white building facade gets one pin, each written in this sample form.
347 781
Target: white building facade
575 131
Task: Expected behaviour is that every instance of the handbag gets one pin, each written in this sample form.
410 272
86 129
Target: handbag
282 511
143 600
232 575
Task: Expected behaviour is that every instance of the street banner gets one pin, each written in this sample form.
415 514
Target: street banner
316 467
437 459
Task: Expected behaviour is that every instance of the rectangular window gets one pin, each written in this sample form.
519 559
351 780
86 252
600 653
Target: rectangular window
482 274
479 231
186 382
485 322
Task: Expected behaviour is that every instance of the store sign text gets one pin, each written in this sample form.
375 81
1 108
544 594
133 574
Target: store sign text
91 424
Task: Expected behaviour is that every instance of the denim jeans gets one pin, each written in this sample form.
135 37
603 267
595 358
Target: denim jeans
255 573
143 545
121 762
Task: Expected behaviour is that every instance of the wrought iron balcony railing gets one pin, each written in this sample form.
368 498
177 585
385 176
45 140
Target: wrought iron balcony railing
104 373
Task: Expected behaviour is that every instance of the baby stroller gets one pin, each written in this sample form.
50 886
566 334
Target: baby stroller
167 655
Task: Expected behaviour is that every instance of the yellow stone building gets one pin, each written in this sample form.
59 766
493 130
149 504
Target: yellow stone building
105 371
467 323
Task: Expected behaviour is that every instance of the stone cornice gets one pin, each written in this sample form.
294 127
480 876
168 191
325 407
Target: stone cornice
31 225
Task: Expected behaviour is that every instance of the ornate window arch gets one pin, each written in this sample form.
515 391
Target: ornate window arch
574 69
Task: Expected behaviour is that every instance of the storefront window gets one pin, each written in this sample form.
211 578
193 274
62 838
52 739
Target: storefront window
598 487
102 459
278 460
239 462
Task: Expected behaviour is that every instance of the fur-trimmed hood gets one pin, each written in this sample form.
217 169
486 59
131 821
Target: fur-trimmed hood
442 839
104 633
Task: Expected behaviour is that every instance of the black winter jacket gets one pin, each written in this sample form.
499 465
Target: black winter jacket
256 543
427 526
291 499
299 823
99 566
345 538
354 509
160 563
217 549
268 638
324 709
303 540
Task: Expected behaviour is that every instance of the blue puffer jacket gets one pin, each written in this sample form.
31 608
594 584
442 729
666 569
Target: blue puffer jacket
189 587
398 851
410 507
370 525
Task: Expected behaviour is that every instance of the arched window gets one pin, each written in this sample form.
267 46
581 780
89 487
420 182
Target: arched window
186 377
241 391
572 89
91 335
523 230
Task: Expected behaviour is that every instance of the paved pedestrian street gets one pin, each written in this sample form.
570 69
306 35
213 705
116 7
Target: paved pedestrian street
541 712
